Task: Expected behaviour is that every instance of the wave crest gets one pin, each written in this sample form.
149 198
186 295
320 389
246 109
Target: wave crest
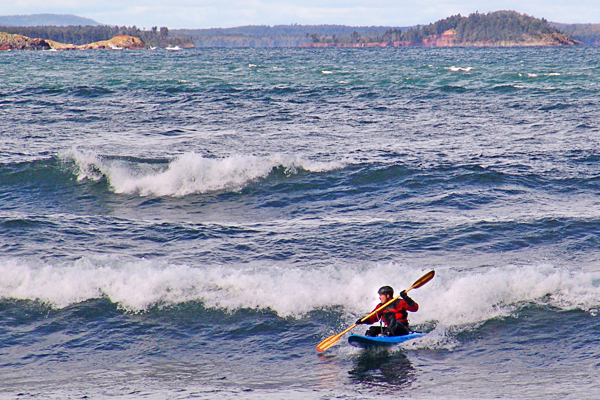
452 298
188 173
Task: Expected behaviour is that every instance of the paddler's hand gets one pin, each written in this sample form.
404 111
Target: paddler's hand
407 299
359 321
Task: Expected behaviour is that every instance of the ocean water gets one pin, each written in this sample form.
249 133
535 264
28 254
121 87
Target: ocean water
192 224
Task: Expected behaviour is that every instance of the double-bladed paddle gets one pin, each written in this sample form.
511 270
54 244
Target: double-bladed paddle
331 340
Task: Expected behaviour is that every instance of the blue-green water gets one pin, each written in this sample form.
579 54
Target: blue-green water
191 224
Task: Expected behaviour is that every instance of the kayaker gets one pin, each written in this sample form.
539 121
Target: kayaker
394 316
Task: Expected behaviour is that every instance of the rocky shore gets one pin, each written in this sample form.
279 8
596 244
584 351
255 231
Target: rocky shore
18 42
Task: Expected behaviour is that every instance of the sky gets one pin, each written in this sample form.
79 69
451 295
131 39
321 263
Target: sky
229 13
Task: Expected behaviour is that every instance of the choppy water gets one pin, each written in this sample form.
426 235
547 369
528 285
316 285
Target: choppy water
192 224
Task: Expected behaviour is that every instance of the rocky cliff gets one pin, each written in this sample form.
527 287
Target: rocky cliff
19 42
117 43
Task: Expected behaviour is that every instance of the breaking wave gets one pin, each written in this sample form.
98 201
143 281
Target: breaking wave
452 298
188 173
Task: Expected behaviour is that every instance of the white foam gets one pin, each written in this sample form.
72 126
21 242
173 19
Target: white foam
438 338
452 298
188 173
470 298
457 69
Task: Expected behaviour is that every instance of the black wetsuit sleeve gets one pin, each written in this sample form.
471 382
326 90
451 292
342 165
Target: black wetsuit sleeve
408 300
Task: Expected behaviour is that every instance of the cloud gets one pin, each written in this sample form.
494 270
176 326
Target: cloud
227 13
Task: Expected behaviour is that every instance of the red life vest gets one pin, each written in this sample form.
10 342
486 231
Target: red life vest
397 309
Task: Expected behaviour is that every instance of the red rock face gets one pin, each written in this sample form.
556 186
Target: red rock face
446 39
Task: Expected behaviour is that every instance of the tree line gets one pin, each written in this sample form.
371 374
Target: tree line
295 30
292 35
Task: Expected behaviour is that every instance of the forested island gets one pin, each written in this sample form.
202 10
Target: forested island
494 29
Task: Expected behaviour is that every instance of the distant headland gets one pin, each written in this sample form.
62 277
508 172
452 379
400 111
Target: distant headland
46 20
494 29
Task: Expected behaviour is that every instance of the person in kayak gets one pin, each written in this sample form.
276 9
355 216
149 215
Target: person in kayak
394 316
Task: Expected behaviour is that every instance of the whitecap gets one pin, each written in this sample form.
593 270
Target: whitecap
188 173
457 69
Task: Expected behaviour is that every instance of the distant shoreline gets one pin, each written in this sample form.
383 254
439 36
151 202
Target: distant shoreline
494 29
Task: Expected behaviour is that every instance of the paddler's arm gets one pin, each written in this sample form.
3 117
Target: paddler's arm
412 305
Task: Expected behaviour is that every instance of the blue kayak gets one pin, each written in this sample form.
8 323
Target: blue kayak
381 341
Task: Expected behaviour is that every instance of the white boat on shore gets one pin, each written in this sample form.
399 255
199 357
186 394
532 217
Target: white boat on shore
176 48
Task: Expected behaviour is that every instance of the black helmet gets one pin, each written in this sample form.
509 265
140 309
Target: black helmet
386 290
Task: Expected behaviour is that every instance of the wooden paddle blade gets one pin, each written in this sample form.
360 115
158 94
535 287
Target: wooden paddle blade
330 341
423 280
